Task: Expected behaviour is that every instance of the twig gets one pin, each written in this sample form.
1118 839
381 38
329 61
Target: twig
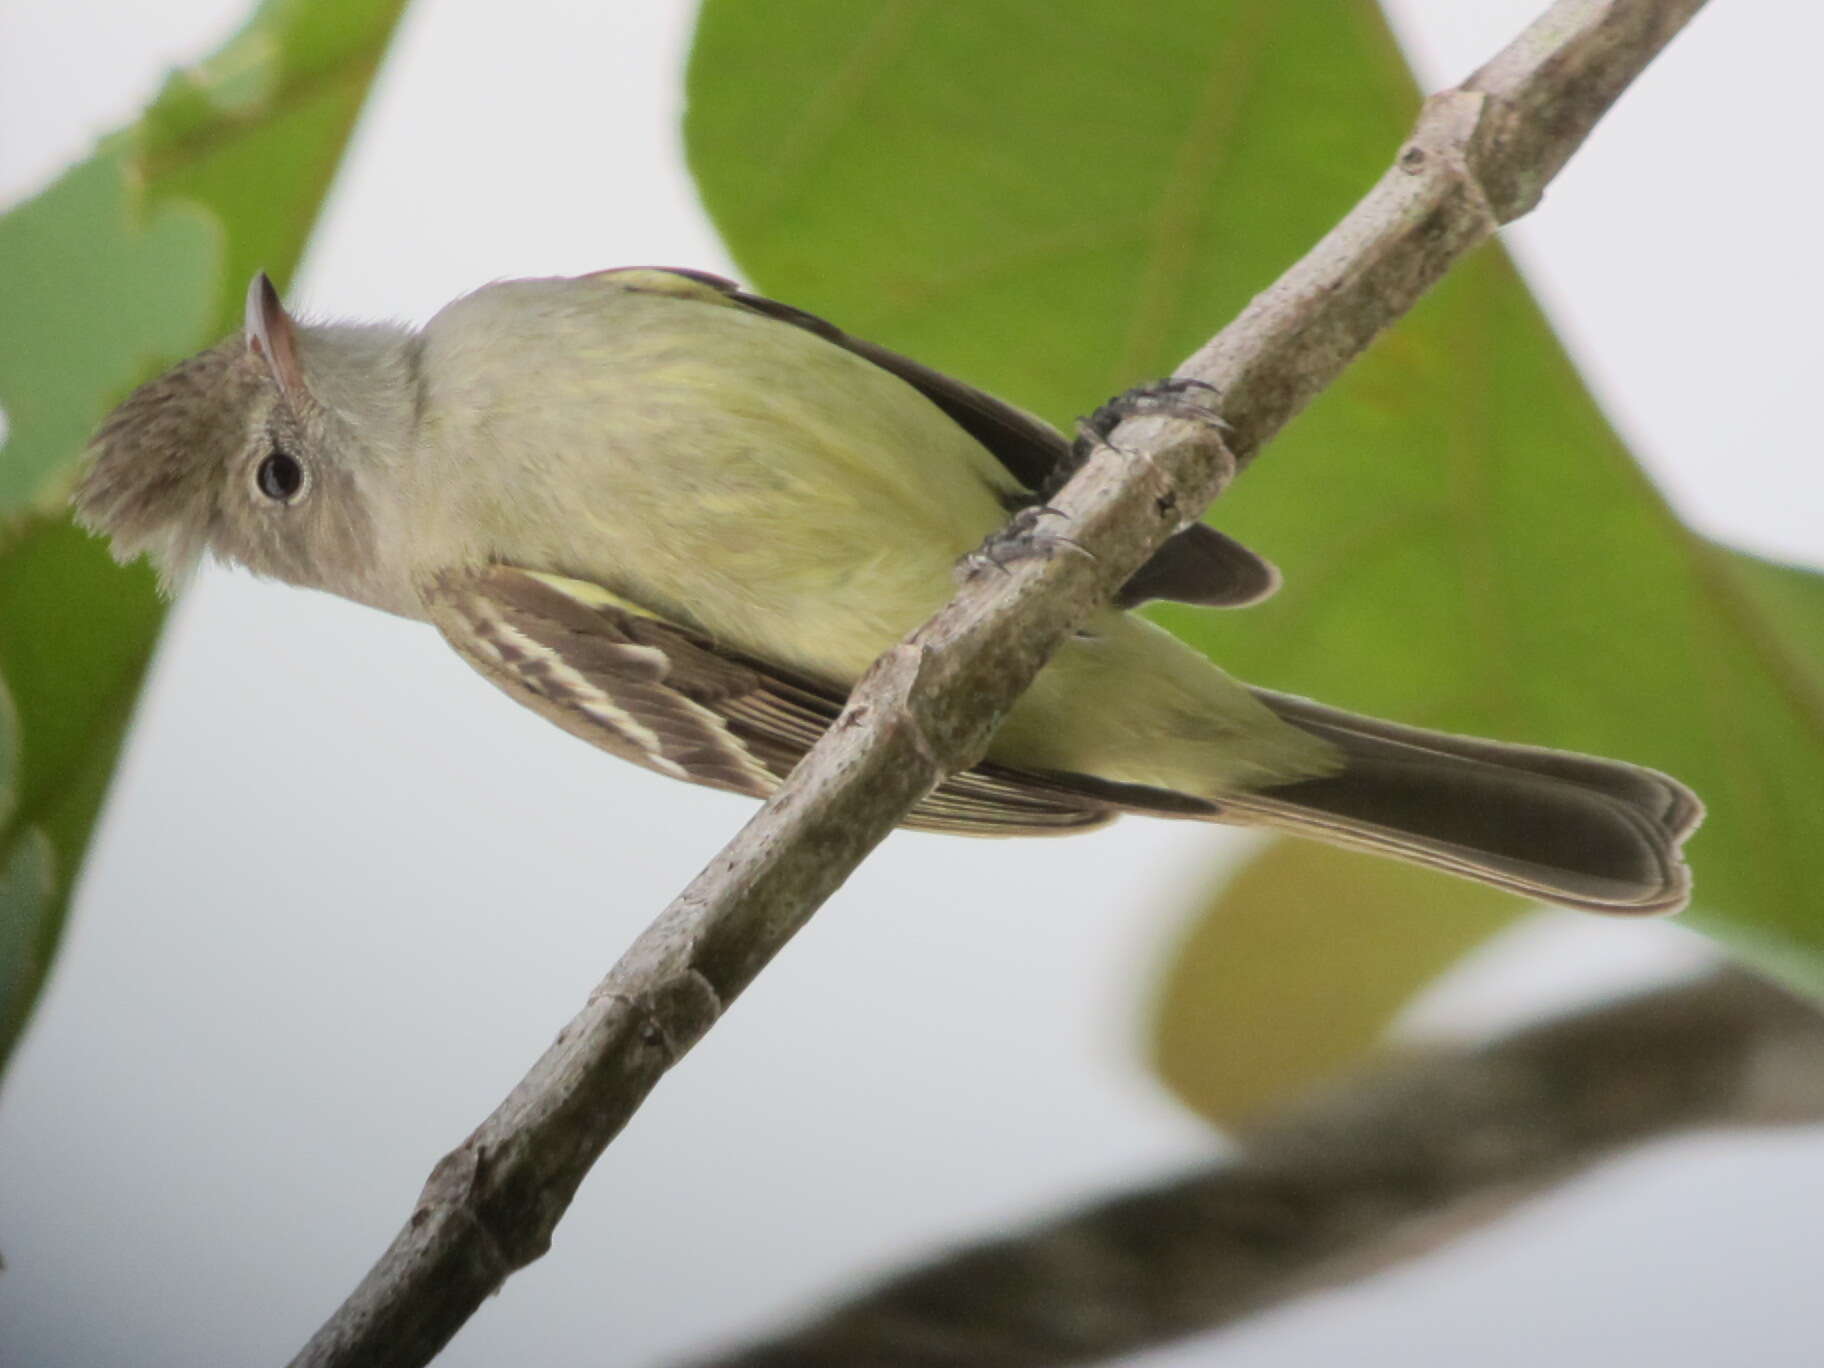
927 707
1352 1181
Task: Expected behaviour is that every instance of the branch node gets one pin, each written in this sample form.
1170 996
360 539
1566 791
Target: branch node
451 1192
1452 131
896 677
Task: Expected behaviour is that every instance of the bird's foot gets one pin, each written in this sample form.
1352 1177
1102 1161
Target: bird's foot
1020 539
1178 397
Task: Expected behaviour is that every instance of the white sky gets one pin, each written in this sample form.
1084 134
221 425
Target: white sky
345 893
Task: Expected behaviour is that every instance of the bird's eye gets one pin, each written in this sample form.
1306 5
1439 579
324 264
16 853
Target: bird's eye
280 476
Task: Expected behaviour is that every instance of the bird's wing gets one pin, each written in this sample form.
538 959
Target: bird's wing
1199 565
650 691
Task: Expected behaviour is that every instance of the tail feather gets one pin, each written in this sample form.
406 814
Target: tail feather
1571 829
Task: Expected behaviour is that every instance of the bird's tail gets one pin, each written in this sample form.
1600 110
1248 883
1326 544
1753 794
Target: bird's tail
1570 829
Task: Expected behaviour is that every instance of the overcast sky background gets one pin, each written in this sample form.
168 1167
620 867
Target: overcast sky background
345 892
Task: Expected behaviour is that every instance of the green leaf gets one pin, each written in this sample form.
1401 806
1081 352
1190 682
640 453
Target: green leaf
1054 200
24 885
72 678
9 756
257 131
130 260
66 353
1058 200
28 892
1297 966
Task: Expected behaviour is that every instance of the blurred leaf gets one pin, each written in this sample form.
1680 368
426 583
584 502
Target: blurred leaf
1300 962
1058 200
24 882
27 894
72 677
1052 199
66 352
130 260
257 131
9 756
1791 599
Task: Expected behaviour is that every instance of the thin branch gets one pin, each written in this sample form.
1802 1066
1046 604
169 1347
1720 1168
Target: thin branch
928 706
1348 1183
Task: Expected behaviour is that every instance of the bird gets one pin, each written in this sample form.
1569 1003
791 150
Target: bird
680 520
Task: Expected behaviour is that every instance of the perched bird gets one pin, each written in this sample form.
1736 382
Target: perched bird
680 520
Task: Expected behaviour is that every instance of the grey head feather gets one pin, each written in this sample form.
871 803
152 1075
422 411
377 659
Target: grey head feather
154 482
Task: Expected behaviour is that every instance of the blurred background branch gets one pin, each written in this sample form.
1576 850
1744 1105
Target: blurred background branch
1362 1175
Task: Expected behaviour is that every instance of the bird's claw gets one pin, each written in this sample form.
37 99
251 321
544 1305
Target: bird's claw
1020 540
1177 396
